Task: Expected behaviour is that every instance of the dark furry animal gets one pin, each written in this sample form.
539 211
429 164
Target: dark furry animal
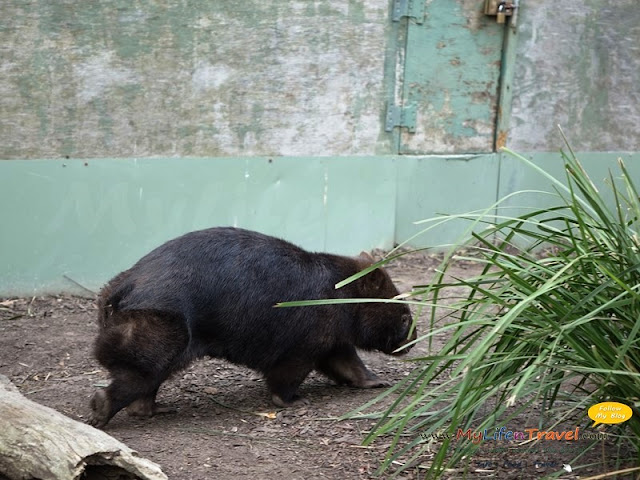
212 292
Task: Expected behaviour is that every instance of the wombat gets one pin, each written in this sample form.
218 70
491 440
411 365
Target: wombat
212 292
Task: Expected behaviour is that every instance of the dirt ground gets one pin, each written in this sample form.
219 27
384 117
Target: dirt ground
225 426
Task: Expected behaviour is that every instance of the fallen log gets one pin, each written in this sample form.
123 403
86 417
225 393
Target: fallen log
37 442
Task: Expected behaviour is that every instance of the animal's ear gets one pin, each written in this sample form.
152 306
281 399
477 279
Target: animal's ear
374 281
366 259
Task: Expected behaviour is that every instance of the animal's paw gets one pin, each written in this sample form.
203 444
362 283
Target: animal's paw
100 409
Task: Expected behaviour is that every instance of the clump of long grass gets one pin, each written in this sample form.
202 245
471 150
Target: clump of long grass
551 320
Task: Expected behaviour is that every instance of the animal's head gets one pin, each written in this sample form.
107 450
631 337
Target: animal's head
383 326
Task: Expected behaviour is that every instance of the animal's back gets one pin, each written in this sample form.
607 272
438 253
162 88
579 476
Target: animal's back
223 280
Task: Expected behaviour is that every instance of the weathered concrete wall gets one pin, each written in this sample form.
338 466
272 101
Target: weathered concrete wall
295 77
183 77
238 83
578 65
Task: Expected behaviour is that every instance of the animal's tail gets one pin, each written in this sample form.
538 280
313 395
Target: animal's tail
111 296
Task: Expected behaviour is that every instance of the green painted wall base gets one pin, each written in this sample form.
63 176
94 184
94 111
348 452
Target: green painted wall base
78 222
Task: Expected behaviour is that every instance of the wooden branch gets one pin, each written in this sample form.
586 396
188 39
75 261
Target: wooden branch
38 442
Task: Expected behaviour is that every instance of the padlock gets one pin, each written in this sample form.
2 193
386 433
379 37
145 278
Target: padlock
500 15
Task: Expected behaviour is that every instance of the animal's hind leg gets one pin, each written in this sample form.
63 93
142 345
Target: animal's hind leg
140 349
127 388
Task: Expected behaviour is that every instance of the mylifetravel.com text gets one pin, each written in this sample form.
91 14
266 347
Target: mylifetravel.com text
506 435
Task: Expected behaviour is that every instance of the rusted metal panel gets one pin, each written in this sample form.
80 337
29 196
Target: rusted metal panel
578 66
452 74
143 78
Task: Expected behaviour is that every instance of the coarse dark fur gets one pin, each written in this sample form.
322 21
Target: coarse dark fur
212 292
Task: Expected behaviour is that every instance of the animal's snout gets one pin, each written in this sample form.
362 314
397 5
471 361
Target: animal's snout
408 335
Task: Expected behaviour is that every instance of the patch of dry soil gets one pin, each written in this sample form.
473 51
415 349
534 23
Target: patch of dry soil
225 425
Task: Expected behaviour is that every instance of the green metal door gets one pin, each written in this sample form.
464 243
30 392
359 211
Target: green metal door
451 76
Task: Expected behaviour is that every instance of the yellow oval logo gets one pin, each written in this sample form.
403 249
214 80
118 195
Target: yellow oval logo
609 413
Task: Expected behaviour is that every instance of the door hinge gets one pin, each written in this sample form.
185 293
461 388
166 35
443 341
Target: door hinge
401 117
408 8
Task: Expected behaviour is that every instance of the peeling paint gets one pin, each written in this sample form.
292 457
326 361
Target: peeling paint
452 71
207 76
578 66
98 74
225 78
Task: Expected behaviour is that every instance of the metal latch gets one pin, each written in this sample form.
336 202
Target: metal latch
500 8
408 8
401 117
